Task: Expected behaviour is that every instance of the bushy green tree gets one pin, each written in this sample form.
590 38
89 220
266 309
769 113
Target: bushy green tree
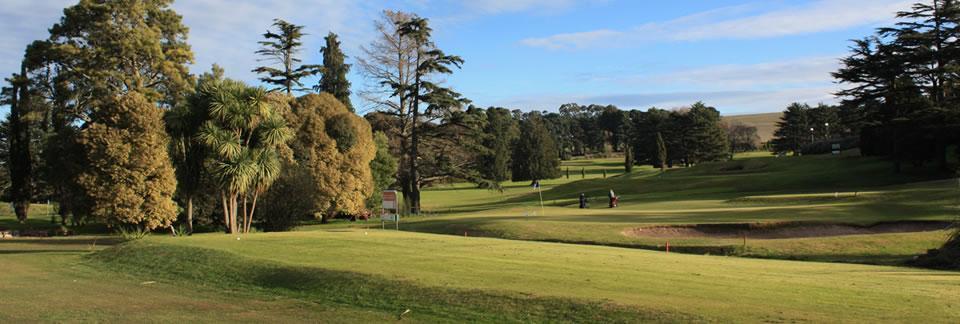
281 48
128 178
333 79
97 52
535 155
336 147
383 168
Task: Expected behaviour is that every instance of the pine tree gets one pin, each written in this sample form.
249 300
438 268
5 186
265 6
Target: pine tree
128 179
333 79
793 129
281 48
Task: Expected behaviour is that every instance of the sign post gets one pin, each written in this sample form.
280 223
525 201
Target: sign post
389 208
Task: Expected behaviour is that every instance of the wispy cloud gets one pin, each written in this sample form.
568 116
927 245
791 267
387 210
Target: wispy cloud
798 72
737 22
511 6
728 102
732 88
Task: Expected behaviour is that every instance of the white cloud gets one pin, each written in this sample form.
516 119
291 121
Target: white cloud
737 22
221 31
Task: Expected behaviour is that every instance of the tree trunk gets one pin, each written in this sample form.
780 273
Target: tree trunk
226 212
189 215
243 227
415 145
253 208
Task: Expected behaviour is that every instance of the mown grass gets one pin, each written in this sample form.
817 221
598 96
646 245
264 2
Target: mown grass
224 269
754 187
50 280
450 278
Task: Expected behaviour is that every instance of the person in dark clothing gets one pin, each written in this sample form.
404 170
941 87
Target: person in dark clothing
613 199
583 201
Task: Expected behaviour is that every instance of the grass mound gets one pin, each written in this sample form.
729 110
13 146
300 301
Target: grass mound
229 271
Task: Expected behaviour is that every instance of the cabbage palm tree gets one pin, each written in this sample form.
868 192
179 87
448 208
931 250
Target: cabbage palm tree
244 135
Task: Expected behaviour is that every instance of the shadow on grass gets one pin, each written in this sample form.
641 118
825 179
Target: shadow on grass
229 271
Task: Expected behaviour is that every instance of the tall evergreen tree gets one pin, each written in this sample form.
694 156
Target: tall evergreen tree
333 79
281 48
19 158
535 156
661 152
499 134
793 129
428 61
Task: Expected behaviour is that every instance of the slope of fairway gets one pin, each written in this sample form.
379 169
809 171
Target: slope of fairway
754 188
492 274
48 280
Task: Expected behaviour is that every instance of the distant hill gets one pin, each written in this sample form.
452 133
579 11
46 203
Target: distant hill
765 123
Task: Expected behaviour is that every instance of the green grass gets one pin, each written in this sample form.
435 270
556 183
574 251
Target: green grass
448 278
755 187
51 280
337 273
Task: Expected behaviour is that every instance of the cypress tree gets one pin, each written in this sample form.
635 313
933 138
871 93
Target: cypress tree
333 80
21 169
661 152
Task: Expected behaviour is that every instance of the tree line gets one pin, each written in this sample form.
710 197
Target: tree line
900 96
107 122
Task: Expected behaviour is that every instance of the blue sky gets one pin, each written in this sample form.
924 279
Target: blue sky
739 56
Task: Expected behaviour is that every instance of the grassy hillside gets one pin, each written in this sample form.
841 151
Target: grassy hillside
750 189
449 278
765 123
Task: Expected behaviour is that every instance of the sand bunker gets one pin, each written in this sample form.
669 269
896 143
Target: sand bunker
782 230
